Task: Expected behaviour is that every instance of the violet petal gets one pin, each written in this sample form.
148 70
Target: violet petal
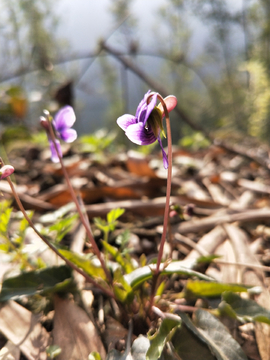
150 107
139 135
68 135
142 103
64 118
125 121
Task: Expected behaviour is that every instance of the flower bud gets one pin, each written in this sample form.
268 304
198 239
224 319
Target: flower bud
5 171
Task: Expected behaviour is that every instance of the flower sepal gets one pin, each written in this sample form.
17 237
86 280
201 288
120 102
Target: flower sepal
155 122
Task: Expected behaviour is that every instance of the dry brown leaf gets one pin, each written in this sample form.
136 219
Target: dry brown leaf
212 221
10 352
228 273
209 242
74 332
252 277
24 330
243 254
138 164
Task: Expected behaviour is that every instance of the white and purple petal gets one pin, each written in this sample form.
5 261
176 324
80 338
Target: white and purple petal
68 135
125 121
64 118
139 135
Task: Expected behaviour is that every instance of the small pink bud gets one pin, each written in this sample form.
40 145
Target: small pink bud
5 171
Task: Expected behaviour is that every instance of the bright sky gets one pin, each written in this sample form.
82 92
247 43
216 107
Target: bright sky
84 22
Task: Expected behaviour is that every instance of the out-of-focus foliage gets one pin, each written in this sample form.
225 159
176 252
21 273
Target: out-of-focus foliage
28 50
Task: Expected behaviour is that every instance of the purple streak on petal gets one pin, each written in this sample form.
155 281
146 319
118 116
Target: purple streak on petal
125 121
150 107
64 118
68 135
139 135
164 155
142 103
54 156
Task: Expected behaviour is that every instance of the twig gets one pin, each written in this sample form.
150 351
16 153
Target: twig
195 226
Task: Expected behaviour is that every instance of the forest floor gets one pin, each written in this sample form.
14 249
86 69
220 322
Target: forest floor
220 211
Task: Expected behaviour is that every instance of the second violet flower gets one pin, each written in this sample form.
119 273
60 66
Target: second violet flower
62 123
144 128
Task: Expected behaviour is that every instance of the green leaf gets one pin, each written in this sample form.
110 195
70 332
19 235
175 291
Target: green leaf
122 289
220 341
211 289
189 346
140 275
63 226
4 220
84 263
211 332
49 280
124 263
113 215
245 309
158 341
101 224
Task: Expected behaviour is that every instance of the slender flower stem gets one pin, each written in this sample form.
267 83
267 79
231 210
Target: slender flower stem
167 204
78 207
169 182
48 243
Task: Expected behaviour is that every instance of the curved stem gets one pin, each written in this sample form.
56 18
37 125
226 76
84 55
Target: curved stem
47 242
169 183
167 204
78 207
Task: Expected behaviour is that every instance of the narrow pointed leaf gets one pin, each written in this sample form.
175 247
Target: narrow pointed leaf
211 289
245 309
138 276
84 263
49 280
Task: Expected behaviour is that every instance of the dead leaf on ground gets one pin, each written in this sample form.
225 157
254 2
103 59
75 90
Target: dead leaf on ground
74 332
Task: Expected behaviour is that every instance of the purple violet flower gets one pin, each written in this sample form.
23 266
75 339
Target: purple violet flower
144 128
62 123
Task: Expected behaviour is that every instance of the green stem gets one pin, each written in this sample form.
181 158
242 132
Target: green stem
78 207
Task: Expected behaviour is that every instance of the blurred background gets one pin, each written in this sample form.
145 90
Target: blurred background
101 56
